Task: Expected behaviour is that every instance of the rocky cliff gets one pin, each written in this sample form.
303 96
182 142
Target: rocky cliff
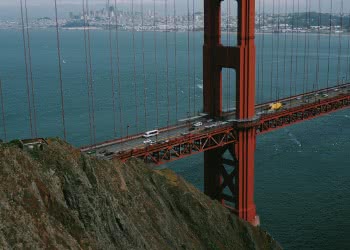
58 198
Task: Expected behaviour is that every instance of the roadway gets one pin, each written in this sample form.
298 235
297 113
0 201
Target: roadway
185 127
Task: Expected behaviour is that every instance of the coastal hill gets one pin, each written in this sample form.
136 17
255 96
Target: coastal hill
57 198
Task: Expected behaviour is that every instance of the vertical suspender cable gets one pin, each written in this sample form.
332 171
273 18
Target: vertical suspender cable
258 62
143 66
188 57
297 49
167 60
340 42
262 55
35 130
227 54
292 53
305 47
308 46
194 58
285 51
134 64
175 63
278 49
118 69
60 72
3 112
91 77
27 77
317 83
329 43
348 53
273 50
155 58
111 67
87 72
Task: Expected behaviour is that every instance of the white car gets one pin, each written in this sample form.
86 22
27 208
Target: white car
148 141
212 125
197 124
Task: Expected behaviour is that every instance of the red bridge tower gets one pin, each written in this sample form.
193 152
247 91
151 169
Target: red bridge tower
231 181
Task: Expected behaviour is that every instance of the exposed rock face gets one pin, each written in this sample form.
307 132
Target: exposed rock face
60 199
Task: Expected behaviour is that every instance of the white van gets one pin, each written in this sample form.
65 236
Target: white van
151 133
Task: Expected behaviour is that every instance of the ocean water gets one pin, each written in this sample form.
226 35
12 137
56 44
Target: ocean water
302 180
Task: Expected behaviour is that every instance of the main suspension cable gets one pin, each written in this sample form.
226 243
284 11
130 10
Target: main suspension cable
175 63
167 60
155 58
87 73
188 57
118 70
35 130
134 65
91 77
60 72
26 70
3 112
143 65
111 67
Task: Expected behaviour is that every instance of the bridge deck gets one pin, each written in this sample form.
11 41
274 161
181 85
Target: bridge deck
183 139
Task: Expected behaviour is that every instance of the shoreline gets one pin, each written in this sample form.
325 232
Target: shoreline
223 33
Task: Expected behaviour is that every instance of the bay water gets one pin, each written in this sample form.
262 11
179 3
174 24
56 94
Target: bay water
302 173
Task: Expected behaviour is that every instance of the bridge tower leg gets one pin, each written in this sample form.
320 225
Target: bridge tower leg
235 174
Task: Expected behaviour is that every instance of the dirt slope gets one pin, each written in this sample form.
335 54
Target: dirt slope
60 199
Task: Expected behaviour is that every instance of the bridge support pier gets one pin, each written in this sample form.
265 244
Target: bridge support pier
231 181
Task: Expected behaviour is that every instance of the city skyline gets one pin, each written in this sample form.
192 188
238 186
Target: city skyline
36 8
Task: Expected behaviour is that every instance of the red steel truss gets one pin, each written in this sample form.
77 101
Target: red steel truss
302 113
182 147
191 144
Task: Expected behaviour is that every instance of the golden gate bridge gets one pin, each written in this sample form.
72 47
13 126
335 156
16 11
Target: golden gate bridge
214 131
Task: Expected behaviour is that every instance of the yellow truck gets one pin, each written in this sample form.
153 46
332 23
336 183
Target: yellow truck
275 106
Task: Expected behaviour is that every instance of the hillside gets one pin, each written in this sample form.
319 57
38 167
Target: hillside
58 198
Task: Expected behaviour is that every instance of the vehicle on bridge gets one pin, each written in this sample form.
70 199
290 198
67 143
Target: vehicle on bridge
151 133
276 106
149 141
197 124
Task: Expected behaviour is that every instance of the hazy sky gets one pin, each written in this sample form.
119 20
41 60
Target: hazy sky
9 8
181 2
